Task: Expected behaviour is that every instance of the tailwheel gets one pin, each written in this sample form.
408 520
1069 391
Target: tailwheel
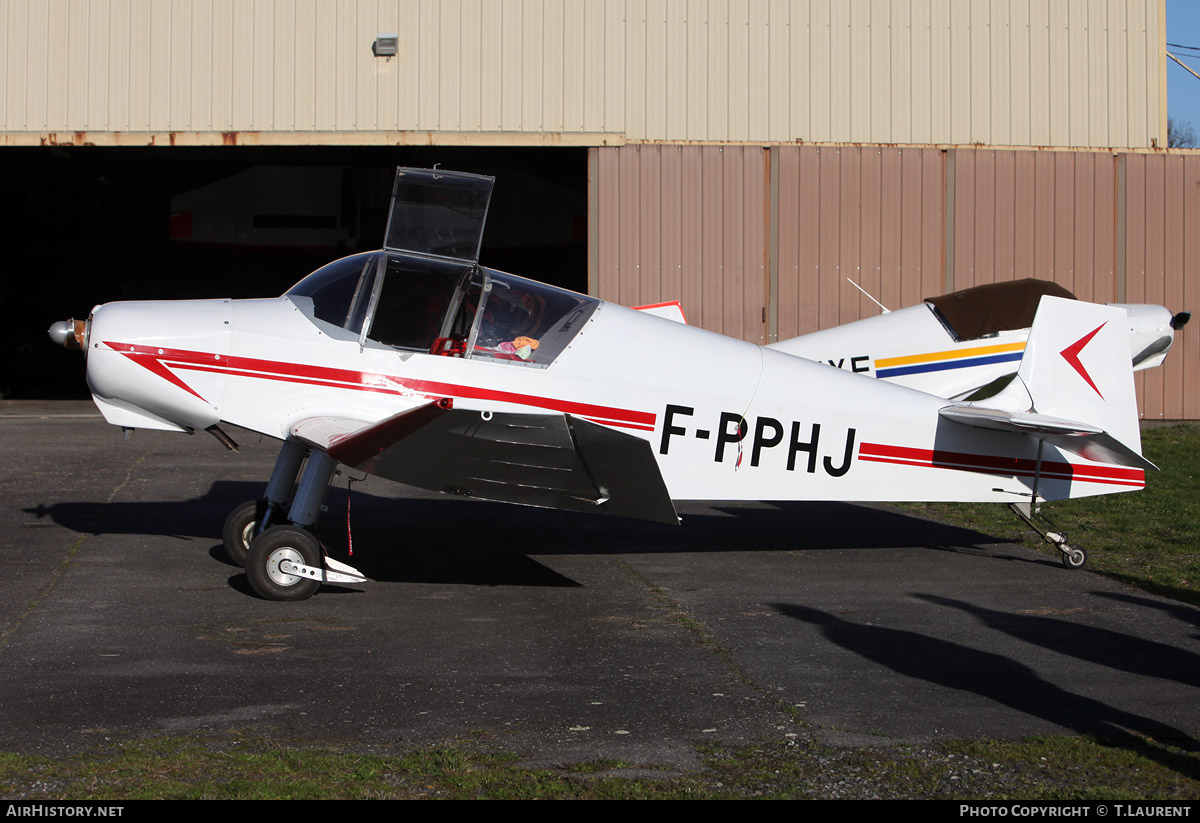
240 529
1072 557
273 557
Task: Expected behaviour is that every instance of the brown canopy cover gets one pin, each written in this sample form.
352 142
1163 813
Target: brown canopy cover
996 307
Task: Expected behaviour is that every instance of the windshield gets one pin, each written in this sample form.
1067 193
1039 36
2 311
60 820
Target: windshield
340 290
528 322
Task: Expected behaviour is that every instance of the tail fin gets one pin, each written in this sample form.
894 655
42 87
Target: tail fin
1074 387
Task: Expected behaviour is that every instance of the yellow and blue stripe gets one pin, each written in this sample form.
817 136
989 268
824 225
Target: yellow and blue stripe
945 360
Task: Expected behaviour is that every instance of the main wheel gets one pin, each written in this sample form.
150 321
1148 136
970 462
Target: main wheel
271 548
1073 558
239 531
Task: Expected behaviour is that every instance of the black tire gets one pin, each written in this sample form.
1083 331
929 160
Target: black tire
240 528
1074 558
276 544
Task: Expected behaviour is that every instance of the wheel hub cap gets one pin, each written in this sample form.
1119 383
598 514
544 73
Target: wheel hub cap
280 577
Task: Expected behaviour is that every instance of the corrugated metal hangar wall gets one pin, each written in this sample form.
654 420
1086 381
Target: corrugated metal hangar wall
758 242
745 156
1080 73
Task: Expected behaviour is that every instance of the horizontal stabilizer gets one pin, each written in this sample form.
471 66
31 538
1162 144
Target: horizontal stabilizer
1078 438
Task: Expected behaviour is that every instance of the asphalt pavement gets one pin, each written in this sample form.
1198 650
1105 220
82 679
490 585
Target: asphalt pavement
556 636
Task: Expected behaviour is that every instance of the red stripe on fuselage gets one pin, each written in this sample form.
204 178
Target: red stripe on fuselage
158 360
990 464
151 358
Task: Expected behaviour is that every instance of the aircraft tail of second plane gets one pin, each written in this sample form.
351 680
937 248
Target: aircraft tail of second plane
1074 387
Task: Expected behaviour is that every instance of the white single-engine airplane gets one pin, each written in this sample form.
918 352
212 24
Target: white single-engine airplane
968 344
416 364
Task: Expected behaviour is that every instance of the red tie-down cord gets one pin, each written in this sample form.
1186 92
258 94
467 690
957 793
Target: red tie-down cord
350 481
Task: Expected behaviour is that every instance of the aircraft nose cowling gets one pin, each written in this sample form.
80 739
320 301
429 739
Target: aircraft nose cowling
160 364
1151 333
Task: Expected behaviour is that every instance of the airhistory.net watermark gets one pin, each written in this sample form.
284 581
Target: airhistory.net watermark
48 810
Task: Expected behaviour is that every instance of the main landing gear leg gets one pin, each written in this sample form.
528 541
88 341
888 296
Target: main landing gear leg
287 562
254 517
314 484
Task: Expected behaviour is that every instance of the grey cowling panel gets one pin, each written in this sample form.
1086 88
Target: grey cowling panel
553 461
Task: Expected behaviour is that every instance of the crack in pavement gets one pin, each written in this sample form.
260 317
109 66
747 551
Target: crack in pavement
706 640
70 556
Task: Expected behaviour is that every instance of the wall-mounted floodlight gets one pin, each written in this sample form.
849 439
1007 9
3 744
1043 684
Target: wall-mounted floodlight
386 45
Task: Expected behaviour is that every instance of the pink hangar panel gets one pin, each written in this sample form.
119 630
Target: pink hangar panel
693 223
1189 346
683 223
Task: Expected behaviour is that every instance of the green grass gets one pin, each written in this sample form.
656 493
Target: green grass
246 768
250 768
1034 769
1149 539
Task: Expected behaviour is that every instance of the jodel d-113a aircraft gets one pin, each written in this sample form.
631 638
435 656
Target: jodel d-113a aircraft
416 364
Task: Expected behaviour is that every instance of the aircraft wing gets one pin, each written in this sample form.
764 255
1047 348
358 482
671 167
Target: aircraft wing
549 460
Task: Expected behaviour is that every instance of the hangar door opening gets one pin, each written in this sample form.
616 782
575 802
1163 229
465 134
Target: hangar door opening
88 225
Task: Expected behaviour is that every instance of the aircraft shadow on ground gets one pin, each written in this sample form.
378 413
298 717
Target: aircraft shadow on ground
441 538
1013 684
1178 611
1116 650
